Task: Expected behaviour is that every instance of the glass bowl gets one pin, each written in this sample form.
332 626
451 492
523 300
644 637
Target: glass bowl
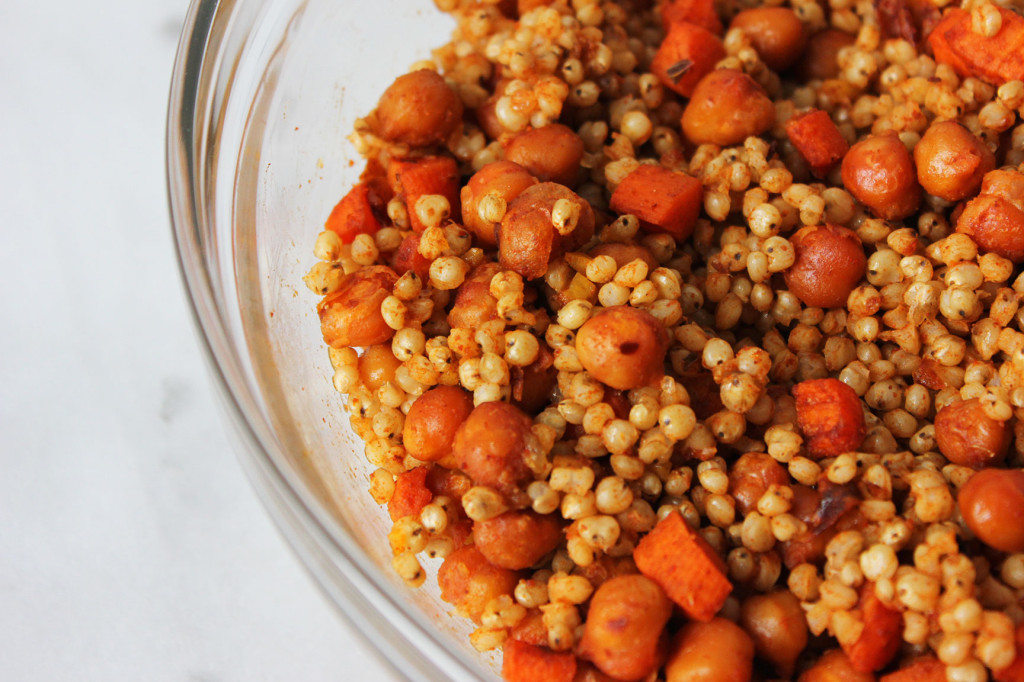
264 95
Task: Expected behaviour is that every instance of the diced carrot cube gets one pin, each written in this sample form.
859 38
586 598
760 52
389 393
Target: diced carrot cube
699 12
880 640
688 53
353 215
685 566
413 178
818 140
411 493
997 59
528 663
663 200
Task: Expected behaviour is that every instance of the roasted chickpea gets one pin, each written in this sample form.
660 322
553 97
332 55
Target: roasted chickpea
490 445
992 504
473 305
528 238
967 436
751 475
432 421
551 153
1005 183
716 651
819 59
995 225
377 366
351 315
407 257
623 347
830 415
623 632
829 264
778 627
951 161
468 581
775 32
726 107
625 253
502 181
879 172
835 666
517 539
419 109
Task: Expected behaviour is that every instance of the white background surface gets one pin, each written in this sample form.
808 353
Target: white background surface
131 546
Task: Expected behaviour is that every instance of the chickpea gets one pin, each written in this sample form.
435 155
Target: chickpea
879 172
527 238
1005 183
623 347
726 107
377 366
951 161
473 306
992 504
835 666
775 32
778 627
625 253
716 651
419 109
751 475
351 315
995 225
624 627
967 436
829 264
819 58
830 415
490 445
503 181
517 539
552 153
468 581
432 421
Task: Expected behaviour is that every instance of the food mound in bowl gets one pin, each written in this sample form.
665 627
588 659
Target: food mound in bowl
687 334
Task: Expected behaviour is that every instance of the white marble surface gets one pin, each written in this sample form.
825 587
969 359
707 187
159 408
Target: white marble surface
131 546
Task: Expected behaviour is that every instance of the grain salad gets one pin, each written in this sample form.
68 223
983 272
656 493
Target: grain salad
685 337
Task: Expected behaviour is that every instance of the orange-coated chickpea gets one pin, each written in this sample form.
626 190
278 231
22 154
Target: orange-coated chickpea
468 581
473 305
528 238
716 651
1006 183
623 632
377 366
819 60
776 623
995 225
419 109
751 475
551 153
992 504
351 315
623 347
727 107
625 253
490 445
432 421
503 179
830 415
967 436
517 539
829 264
951 161
835 666
879 172
776 33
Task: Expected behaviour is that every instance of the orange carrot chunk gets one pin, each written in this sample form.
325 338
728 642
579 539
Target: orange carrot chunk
699 12
997 59
353 215
688 53
663 200
923 669
685 566
414 178
528 663
411 493
880 640
818 140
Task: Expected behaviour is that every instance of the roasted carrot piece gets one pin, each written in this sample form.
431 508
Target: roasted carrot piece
663 200
528 663
413 178
688 53
411 493
923 669
407 257
1015 671
997 59
353 215
699 12
818 140
685 566
941 49
880 640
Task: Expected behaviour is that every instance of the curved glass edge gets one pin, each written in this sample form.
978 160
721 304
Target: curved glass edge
201 74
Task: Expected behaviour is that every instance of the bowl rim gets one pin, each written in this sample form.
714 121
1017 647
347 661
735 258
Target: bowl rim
339 568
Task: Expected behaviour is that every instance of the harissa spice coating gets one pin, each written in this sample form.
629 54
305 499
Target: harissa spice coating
685 337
